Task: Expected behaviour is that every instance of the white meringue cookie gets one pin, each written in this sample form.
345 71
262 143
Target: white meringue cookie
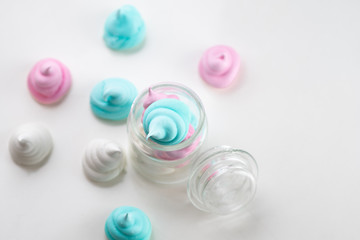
30 144
103 160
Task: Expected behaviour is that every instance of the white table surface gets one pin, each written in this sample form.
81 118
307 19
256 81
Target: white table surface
296 109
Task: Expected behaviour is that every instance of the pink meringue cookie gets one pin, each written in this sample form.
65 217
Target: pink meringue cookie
219 66
178 154
154 96
49 81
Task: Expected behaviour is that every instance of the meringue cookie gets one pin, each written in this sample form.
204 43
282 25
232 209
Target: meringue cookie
167 121
124 29
128 223
49 81
219 66
30 144
103 160
178 154
153 96
112 98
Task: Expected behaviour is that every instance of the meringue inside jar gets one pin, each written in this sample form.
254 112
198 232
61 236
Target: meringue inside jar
166 163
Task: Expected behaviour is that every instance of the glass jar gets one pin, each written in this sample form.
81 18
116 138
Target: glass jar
223 180
165 163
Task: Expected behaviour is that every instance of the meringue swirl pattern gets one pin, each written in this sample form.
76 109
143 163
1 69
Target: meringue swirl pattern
128 223
112 98
49 81
219 66
103 160
167 121
124 28
30 144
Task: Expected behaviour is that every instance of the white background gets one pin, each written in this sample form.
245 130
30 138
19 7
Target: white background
295 108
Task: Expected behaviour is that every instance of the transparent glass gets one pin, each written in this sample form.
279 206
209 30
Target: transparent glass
223 180
165 163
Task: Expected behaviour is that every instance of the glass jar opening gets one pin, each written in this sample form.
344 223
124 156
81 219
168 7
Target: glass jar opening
168 88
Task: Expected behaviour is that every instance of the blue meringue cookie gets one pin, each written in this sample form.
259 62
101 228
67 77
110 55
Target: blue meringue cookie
128 223
124 28
167 121
112 98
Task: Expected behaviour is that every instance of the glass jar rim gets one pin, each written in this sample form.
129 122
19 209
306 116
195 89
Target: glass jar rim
224 149
187 142
207 156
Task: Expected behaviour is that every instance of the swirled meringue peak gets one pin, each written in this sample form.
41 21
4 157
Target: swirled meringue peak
128 223
103 160
219 66
167 121
112 98
30 144
49 81
153 96
124 28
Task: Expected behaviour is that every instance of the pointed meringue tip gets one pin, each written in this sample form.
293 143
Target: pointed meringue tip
151 92
113 150
128 218
155 133
150 134
108 93
46 71
21 140
118 13
125 219
115 95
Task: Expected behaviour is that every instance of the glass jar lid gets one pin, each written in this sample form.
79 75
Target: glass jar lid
223 180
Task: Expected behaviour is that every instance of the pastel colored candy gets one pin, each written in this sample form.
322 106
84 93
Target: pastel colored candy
153 96
166 121
178 154
112 98
30 144
103 160
219 66
49 81
124 29
128 223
